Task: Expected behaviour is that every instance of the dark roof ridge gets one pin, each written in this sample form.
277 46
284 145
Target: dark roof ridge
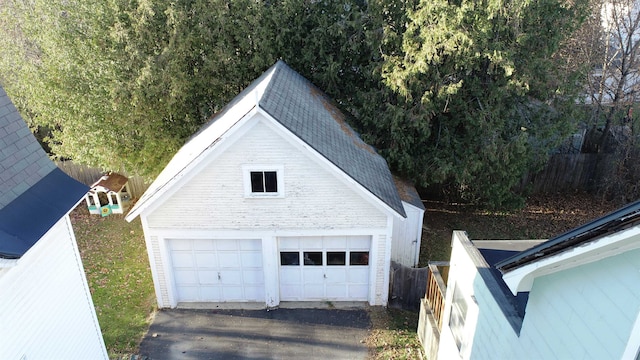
620 219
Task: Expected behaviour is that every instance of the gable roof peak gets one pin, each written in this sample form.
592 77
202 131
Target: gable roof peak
304 110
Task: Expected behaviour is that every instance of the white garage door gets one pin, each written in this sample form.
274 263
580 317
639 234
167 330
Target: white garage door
324 268
217 270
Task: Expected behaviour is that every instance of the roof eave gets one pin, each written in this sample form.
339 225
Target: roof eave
615 221
521 279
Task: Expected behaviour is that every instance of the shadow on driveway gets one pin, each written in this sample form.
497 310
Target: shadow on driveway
257 334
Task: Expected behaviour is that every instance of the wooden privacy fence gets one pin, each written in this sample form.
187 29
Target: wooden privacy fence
407 286
570 172
88 176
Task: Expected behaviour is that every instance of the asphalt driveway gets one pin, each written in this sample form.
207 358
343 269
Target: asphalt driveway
257 334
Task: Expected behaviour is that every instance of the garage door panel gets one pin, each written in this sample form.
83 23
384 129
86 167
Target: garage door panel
313 274
231 277
288 244
203 245
251 259
182 259
359 242
336 291
229 259
290 276
358 274
226 244
206 260
213 270
333 268
338 242
185 276
207 277
359 292
180 245
210 293
188 293
311 242
293 292
255 293
255 277
314 291
250 245
232 293
336 275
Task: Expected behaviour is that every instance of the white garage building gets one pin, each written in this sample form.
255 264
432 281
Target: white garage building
277 199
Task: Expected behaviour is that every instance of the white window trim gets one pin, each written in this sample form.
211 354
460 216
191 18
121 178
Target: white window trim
246 179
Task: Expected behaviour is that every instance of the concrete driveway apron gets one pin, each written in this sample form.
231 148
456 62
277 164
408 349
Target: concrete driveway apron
257 334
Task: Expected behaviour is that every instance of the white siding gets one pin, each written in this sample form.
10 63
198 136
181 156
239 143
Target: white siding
160 275
210 203
380 256
462 274
45 305
405 248
314 197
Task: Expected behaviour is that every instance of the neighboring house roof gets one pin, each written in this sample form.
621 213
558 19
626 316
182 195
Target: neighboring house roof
607 236
305 111
34 193
611 223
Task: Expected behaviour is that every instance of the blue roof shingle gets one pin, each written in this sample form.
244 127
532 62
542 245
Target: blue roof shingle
34 193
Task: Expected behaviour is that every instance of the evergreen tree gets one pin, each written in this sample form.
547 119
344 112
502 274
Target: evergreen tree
464 94
481 93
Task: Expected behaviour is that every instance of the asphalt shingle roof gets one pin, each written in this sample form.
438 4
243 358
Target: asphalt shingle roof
22 161
34 193
306 111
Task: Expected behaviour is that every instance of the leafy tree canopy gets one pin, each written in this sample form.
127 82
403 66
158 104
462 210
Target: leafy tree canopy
463 94
481 92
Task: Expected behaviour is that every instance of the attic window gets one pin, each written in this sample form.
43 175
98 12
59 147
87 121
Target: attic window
263 181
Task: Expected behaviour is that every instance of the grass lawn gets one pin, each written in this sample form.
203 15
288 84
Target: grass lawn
117 267
393 334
